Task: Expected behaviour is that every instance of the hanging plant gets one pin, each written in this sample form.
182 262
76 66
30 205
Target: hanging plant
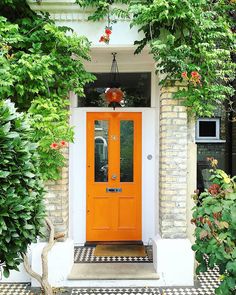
108 29
106 36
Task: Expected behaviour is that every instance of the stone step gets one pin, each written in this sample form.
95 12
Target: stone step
113 271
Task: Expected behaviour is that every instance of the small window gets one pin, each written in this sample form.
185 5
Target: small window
208 129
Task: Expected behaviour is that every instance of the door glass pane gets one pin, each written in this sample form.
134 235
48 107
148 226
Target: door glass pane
126 150
101 150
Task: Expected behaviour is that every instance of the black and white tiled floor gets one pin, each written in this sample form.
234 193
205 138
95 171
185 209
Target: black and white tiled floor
14 289
207 283
86 255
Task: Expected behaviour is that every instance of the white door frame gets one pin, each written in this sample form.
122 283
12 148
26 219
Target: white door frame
77 173
150 147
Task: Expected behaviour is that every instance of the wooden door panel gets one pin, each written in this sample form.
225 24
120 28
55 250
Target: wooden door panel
113 177
101 213
127 218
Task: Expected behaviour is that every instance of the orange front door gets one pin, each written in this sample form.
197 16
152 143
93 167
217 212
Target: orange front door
114 177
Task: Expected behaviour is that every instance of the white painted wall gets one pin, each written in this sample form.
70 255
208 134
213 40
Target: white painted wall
174 261
67 13
16 276
60 262
122 35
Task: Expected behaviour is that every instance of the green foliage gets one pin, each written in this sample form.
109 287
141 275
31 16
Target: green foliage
215 220
21 190
186 36
49 123
39 64
102 8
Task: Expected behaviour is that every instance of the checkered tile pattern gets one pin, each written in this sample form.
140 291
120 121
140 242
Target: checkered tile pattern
86 255
207 283
14 289
117 291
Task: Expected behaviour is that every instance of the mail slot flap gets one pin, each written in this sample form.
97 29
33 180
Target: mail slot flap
113 190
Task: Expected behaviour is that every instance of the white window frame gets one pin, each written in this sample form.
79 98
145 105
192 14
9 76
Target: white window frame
209 138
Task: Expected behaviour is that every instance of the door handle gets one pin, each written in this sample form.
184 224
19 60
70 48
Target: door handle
113 177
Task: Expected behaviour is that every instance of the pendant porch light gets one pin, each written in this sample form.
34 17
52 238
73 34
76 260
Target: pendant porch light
114 94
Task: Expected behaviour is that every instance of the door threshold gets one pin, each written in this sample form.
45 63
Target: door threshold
95 243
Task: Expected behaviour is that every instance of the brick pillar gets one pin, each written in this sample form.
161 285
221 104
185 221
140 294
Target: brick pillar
57 200
173 165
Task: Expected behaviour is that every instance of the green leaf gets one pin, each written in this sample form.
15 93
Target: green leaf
4 174
234 253
6 272
29 174
12 135
195 247
19 207
231 196
28 226
231 266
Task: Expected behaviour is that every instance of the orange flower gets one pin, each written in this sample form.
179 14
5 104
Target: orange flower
184 75
108 31
195 78
54 146
102 39
63 143
195 74
105 39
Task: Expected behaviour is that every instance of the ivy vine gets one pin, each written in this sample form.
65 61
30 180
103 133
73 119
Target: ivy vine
184 37
39 64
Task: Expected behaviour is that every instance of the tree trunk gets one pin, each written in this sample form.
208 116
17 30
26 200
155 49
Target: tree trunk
43 280
47 289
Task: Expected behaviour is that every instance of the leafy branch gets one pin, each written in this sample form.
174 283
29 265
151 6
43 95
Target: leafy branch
185 36
40 63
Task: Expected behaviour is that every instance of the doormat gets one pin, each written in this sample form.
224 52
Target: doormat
120 250
86 255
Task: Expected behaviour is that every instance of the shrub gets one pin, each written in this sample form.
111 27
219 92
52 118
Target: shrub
215 232
21 190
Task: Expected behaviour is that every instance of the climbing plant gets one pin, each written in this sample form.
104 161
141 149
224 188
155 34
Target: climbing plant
39 64
190 40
